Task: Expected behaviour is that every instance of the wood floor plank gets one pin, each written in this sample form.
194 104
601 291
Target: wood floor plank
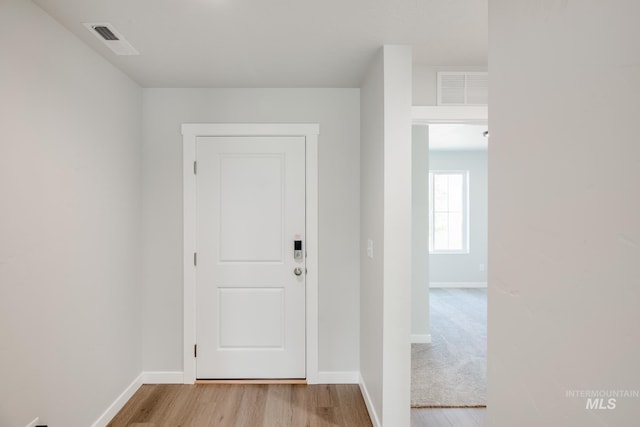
448 417
164 406
352 398
206 406
323 395
432 418
248 405
279 413
301 400
183 403
134 406
230 398
253 405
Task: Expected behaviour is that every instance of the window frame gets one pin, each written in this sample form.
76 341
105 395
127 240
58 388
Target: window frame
465 211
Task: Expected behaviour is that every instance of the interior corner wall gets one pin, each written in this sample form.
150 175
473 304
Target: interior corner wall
70 185
338 113
420 233
564 232
385 293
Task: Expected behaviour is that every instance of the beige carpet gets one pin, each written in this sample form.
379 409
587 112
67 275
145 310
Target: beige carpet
452 370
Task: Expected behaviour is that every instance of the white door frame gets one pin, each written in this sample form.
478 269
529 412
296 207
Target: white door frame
190 132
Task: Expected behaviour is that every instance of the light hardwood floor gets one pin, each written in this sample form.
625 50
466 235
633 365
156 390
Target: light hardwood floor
274 405
448 417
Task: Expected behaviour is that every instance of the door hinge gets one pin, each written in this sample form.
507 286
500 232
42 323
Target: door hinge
195 258
195 350
195 168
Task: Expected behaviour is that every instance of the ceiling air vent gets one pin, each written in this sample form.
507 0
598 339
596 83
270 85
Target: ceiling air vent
108 35
463 88
105 32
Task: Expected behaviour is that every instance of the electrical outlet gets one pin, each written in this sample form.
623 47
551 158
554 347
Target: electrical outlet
482 268
370 248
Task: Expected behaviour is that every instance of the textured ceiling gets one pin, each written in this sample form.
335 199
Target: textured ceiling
276 43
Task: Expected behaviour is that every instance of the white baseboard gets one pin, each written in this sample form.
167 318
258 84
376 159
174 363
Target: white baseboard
367 400
338 377
163 377
420 339
143 378
34 423
458 284
120 401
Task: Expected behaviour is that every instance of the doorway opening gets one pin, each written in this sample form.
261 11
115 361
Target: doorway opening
450 258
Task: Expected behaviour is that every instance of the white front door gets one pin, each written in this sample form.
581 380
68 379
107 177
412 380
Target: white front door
250 291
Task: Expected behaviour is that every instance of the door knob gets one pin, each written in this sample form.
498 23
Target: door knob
297 271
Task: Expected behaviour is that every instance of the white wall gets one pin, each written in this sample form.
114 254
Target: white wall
564 211
372 228
386 219
397 235
420 234
70 240
425 81
457 269
337 112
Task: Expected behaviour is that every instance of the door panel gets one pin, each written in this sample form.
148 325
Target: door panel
250 306
253 318
251 207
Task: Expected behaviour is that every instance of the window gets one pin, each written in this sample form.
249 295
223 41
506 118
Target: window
448 212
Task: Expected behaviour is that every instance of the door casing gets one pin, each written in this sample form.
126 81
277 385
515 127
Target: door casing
190 132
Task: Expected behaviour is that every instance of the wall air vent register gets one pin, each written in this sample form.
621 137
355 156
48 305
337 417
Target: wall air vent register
463 88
